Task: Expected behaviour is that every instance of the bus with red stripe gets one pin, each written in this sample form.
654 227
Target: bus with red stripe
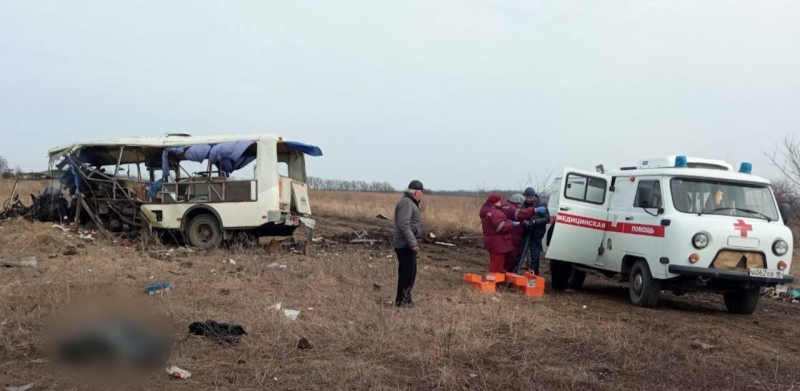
675 223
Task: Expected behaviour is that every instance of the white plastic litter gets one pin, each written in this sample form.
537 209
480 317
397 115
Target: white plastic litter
291 314
178 373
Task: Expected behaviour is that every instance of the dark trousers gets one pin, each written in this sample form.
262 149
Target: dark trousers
535 249
406 274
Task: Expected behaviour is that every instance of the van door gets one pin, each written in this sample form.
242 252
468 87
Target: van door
640 231
581 217
552 206
618 210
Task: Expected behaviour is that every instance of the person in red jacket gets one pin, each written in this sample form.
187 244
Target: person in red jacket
496 238
514 211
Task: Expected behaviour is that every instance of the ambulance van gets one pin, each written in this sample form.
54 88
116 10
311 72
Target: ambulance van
673 223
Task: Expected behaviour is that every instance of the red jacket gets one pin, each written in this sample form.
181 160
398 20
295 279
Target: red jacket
496 228
514 213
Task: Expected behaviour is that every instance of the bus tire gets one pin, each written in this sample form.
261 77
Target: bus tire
644 289
743 301
204 231
560 272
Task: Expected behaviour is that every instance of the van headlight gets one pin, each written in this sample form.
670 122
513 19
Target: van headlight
700 241
780 247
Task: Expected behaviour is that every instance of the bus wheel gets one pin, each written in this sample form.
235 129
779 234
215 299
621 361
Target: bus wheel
644 288
560 272
204 231
742 301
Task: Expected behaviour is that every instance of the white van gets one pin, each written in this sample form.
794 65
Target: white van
673 223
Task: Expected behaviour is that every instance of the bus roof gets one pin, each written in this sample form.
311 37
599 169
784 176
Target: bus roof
177 139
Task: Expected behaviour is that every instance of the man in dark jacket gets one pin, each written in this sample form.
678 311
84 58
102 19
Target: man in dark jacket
408 228
537 229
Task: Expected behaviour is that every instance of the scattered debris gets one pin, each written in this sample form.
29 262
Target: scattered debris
187 264
70 251
432 235
473 375
231 261
22 262
550 329
177 273
20 388
61 228
157 288
383 217
456 268
376 287
277 306
446 244
291 314
178 373
276 264
584 307
241 362
225 292
303 344
795 293
363 237
40 361
701 345
126 243
222 332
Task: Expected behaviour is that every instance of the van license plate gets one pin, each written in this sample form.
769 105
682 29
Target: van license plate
766 273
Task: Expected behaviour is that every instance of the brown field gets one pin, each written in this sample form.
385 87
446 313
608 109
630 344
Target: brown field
454 339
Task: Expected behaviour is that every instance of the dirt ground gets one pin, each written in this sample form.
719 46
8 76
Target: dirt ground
454 339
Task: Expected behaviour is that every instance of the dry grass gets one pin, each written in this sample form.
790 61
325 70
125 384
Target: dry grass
455 339
452 214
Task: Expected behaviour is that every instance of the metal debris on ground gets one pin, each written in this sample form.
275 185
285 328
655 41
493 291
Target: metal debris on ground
276 264
22 262
291 314
20 388
446 244
456 268
701 345
363 237
178 373
383 217
376 287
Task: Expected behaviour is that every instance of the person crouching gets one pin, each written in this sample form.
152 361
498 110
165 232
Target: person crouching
496 238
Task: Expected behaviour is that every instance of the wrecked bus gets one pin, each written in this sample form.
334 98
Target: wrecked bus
206 188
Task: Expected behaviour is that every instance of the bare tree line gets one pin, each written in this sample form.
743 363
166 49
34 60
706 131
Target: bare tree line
317 183
786 158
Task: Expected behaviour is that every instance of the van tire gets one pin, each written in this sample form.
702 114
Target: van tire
560 272
743 301
576 279
644 289
203 231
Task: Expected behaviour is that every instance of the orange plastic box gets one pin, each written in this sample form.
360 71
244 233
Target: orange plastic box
485 287
516 280
473 278
534 287
496 277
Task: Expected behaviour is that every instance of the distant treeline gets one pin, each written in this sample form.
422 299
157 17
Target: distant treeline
316 183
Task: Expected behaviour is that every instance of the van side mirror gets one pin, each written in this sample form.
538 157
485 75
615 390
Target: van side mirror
785 209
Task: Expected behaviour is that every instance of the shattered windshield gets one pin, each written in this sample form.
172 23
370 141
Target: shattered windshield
710 196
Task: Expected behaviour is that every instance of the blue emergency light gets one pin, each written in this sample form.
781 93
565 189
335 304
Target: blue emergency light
680 161
746 168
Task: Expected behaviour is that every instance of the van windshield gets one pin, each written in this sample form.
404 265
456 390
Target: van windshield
709 196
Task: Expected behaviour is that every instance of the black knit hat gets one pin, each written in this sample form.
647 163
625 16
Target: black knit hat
415 185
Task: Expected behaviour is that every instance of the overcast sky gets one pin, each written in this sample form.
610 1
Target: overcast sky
460 94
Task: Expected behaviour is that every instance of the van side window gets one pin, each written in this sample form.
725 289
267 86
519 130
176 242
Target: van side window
648 195
585 189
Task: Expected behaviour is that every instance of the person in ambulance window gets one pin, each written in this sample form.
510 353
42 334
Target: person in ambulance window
718 202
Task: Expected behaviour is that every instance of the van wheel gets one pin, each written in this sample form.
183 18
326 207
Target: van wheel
644 288
576 278
204 231
742 301
560 272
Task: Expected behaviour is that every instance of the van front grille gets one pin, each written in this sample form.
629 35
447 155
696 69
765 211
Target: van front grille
739 260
